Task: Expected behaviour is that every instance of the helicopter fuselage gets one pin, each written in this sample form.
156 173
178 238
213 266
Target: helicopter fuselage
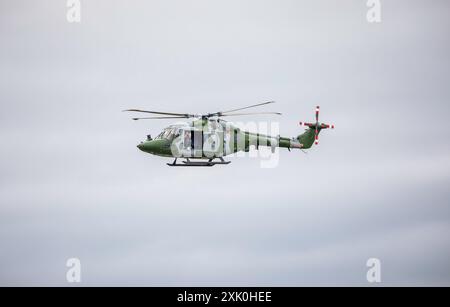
215 138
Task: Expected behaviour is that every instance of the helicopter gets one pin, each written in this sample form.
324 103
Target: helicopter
207 139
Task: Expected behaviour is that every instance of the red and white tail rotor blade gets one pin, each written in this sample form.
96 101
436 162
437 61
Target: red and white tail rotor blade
327 126
306 124
317 137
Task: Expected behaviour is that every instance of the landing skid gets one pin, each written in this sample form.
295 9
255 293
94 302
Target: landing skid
208 163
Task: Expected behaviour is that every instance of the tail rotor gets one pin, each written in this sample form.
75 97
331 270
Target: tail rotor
317 126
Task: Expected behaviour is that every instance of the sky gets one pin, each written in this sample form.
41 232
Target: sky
74 185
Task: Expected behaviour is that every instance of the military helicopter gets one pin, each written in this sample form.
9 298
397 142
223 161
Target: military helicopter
207 139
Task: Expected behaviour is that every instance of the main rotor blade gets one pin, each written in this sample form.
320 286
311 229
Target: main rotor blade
161 113
252 106
256 113
159 117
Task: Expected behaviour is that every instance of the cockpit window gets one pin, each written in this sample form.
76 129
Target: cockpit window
166 134
160 136
169 134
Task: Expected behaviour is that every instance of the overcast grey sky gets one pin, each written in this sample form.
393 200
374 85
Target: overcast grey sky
73 183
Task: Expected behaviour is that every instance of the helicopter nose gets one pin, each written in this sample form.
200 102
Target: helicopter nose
147 146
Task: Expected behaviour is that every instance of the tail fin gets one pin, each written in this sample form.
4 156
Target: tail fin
311 135
307 138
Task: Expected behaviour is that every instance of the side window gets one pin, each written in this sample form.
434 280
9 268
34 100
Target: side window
187 139
198 140
210 139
